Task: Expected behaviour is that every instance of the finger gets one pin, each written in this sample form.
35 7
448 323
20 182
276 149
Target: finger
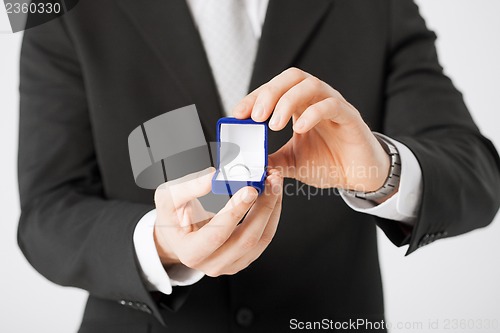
243 109
297 99
260 103
215 233
196 216
173 228
273 90
265 240
257 220
249 233
184 219
176 193
332 108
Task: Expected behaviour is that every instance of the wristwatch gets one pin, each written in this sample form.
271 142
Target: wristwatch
392 181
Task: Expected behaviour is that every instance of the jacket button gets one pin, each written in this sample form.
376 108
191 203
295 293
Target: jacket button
244 317
145 308
424 241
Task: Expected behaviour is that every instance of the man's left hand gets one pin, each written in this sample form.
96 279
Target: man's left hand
331 145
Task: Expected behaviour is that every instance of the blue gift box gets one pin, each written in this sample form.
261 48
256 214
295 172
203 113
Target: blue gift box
241 155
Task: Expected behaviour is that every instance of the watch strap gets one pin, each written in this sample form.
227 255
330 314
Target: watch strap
392 181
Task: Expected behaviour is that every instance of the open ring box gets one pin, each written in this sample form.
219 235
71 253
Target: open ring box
241 155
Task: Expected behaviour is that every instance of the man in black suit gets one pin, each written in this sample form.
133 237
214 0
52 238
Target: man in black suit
89 78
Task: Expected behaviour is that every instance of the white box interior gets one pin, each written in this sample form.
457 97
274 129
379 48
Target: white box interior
252 155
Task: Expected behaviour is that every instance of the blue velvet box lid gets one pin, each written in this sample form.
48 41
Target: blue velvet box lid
241 155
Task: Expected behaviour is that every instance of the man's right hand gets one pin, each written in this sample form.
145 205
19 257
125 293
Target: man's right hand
215 243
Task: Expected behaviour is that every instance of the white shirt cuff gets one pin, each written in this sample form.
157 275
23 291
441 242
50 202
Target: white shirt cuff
153 273
404 205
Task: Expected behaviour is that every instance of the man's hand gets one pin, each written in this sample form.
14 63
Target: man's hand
331 145
215 243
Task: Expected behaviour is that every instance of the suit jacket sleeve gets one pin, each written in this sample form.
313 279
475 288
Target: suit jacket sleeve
68 230
460 168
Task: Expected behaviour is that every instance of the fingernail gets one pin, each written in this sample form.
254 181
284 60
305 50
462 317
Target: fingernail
208 170
199 176
258 111
275 120
299 124
249 196
238 110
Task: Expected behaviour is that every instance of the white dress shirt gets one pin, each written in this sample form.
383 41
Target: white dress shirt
400 207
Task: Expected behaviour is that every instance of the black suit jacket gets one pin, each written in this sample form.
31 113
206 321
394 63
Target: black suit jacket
89 78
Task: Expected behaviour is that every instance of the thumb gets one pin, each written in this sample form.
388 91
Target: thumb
282 160
182 190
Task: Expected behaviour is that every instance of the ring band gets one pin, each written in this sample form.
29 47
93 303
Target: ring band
239 170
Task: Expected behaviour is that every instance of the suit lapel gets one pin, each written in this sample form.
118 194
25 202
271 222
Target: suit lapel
288 26
168 28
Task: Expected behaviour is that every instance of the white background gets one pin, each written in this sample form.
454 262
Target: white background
455 278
